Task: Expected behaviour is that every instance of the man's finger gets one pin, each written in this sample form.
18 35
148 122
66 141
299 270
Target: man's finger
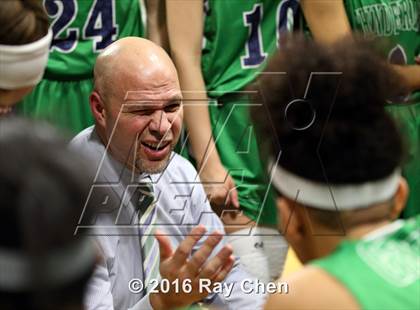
165 248
217 262
201 255
184 249
224 271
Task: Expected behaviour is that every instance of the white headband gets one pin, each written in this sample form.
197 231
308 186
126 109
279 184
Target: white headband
331 196
23 65
59 267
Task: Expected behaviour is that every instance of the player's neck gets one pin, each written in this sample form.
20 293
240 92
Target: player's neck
327 243
358 232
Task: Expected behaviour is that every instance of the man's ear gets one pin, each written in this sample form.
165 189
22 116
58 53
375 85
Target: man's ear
290 219
400 199
97 107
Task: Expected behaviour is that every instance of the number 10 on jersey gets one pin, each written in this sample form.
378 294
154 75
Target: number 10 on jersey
254 47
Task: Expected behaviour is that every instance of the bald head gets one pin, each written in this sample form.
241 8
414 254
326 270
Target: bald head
131 64
137 104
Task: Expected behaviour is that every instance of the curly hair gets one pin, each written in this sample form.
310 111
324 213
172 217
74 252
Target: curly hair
325 110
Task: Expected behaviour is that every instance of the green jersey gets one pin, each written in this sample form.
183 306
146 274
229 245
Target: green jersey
399 22
84 28
239 37
381 271
81 30
395 20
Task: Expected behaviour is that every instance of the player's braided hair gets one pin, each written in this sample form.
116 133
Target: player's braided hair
352 138
22 22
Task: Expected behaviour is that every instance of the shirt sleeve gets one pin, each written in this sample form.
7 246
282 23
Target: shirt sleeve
239 299
99 297
98 292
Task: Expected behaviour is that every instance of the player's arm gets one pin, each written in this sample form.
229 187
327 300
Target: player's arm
319 289
327 20
185 30
156 22
411 74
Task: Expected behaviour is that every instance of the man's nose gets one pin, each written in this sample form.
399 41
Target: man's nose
160 124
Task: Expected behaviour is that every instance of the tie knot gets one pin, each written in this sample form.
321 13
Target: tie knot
145 196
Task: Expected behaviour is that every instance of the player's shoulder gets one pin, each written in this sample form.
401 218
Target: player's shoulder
320 289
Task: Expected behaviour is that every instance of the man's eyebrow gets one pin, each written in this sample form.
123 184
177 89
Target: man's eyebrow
174 100
131 105
137 106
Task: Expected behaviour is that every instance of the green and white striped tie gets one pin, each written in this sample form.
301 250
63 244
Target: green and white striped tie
147 218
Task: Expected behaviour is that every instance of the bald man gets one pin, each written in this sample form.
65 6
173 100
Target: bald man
151 191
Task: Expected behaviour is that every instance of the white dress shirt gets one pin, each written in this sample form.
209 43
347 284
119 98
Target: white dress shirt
181 205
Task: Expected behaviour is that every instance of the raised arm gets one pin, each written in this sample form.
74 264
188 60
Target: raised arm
328 22
185 30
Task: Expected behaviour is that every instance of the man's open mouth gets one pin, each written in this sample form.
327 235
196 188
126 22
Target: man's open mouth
156 146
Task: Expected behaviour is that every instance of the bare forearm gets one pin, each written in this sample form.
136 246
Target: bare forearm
411 75
327 20
156 23
185 29
197 118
